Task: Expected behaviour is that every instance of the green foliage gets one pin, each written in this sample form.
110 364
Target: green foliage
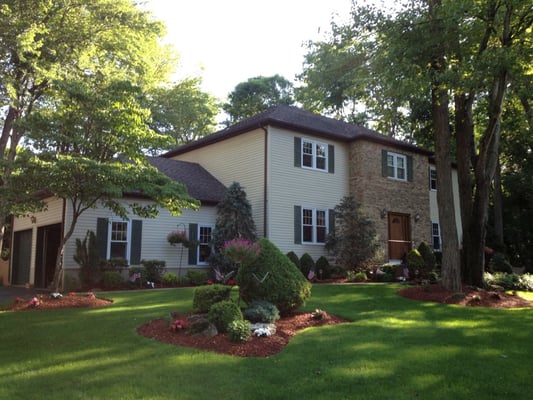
257 95
274 278
510 281
153 270
170 279
294 258
239 331
414 259
221 314
112 280
360 277
306 264
354 240
261 311
196 277
183 111
322 267
205 296
87 258
428 256
499 263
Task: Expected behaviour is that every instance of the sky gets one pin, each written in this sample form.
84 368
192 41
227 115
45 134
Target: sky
226 42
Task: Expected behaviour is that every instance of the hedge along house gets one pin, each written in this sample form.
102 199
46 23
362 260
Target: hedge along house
295 166
36 237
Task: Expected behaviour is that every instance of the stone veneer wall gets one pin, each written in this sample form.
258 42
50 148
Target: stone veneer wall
376 193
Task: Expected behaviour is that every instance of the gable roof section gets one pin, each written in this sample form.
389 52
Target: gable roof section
200 184
298 120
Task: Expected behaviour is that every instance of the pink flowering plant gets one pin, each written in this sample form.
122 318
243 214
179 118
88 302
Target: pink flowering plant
177 323
241 251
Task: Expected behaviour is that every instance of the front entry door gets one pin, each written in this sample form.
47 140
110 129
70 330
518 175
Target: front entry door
399 236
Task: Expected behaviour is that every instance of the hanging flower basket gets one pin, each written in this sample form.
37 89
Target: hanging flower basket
178 237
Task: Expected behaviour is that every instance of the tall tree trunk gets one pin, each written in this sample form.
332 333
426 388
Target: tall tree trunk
451 266
497 204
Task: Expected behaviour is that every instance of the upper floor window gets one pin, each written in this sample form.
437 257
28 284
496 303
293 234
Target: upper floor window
397 166
314 225
432 179
314 155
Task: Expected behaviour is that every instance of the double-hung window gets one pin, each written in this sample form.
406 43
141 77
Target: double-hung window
119 240
314 155
396 166
435 236
205 235
432 179
314 225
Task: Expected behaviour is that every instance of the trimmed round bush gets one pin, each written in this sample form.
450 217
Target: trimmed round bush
221 314
205 296
112 280
261 311
171 279
428 256
322 268
274 278
239 331
306 264
294 258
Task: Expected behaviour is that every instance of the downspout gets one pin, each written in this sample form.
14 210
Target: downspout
265 184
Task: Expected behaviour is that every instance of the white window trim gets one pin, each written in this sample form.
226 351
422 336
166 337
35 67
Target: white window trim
314 155
432 180
395 167
314 225
200 226
128 238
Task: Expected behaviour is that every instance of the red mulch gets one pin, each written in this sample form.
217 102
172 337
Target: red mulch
45 302
470 297
286 328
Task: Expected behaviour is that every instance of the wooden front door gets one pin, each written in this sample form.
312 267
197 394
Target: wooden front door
399 235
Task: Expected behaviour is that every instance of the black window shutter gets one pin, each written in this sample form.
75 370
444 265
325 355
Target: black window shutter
297 152
331 159
102 226
297 225
384 162
193 237
136 240
409 168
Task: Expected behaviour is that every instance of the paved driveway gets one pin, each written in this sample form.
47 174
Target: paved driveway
10 293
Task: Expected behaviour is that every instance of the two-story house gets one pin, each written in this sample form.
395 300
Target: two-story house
295 166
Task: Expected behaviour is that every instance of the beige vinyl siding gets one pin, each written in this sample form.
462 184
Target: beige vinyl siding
154 243
238 159
290 186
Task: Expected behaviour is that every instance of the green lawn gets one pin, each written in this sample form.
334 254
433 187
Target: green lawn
395 348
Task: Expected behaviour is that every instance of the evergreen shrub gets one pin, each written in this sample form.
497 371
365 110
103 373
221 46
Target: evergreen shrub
274 278
205 296
154 270
261 311
294 258
221 314
196 277
306 264
322 268
239 331
112 280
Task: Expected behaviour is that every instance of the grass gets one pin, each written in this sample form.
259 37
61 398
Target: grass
395 348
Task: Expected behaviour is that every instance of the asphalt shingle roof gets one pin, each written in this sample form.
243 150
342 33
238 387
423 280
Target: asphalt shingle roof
200 184
296 119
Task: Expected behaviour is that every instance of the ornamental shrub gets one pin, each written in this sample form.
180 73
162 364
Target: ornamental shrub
239 331
306 264
499 263
415 263
261 311
205 296
112 280
170 279
322 268
274 278
294 258
221 314
195 277
154 270
428 256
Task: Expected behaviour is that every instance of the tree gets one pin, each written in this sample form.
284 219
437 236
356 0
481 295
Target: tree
44 45
354 240
470 54
257 95
183 111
